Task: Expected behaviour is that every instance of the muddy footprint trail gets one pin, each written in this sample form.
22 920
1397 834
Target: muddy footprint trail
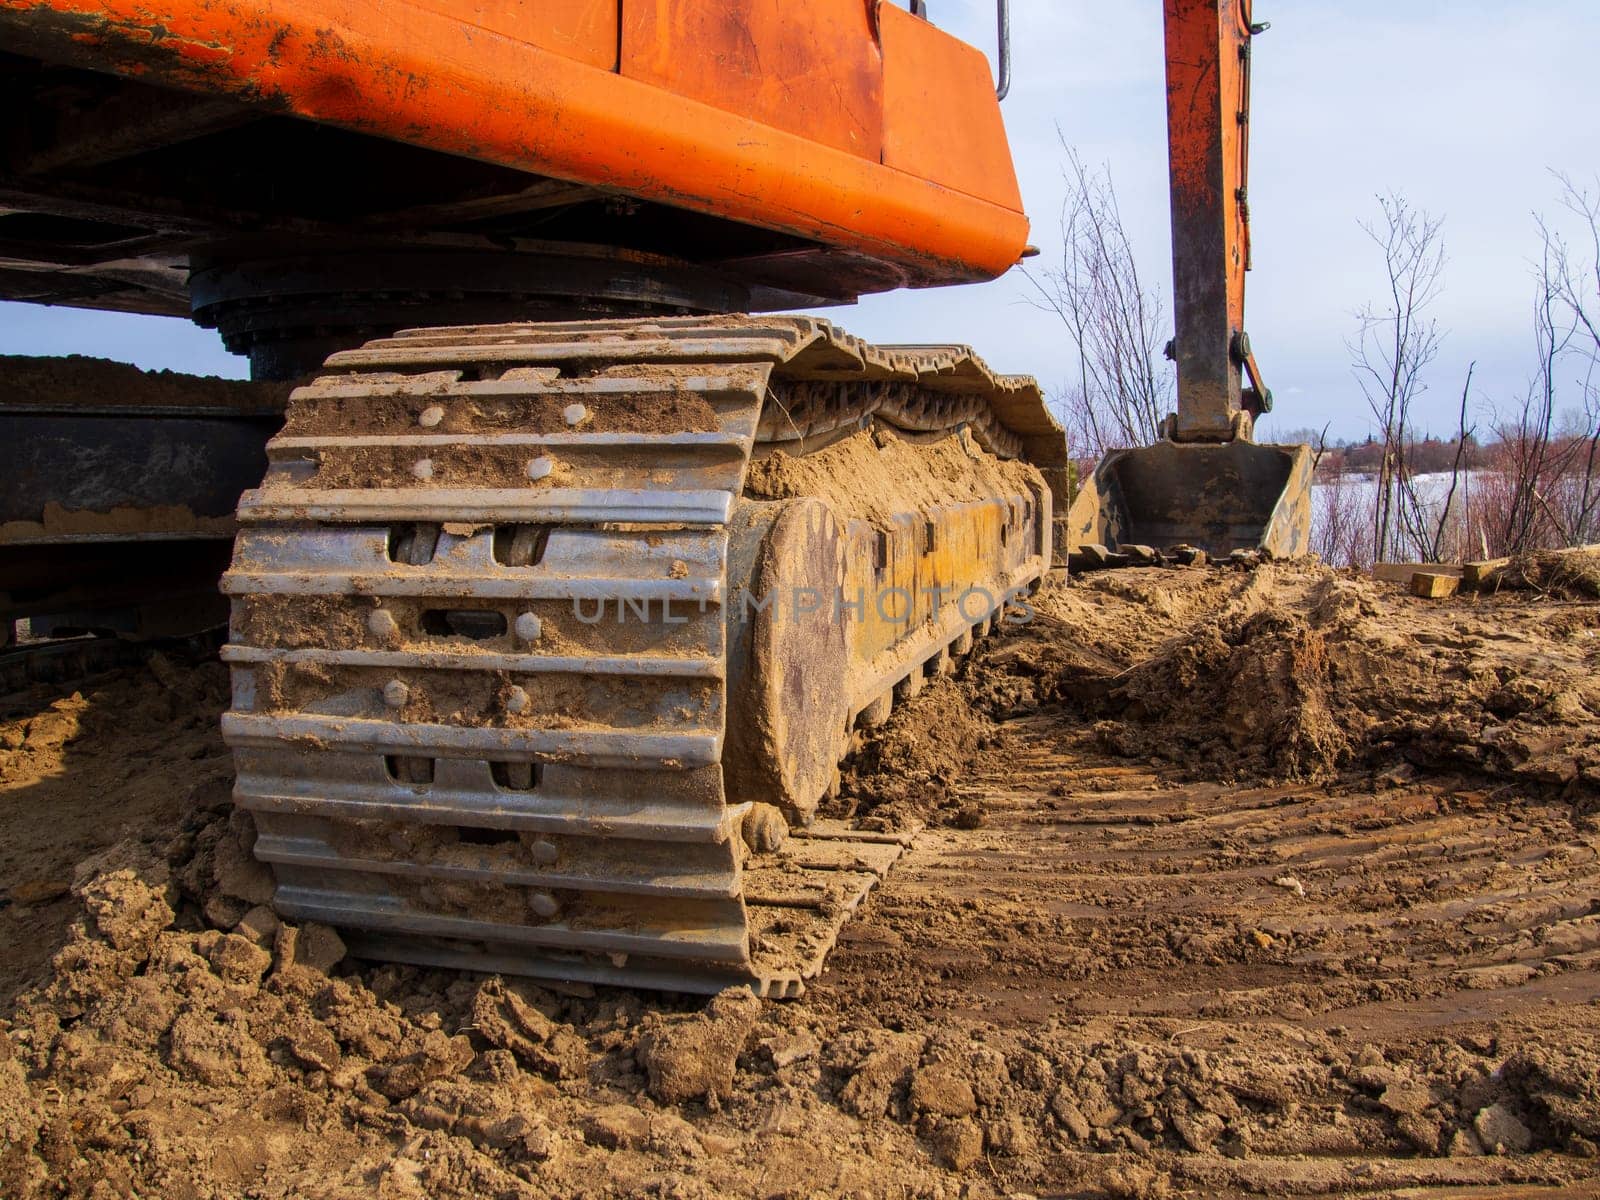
1229 883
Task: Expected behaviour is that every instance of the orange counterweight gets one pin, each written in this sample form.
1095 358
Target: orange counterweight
853 124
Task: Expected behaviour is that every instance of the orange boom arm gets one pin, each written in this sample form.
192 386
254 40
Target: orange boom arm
1208 114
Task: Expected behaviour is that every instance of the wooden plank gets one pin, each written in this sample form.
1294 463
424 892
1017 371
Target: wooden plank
1434 585
1395 572
1483 575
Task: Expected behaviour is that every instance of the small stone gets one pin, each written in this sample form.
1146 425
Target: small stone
319 947
575 414
238 960
423 468
786 1049
942 1090
224 912
381 624
764 829
516 700
959 1143
430 416
1501 1131
1093 553
617 1127
1010 1137
528 627
259 925
1405 1099
540 468
1070 1115
310 1044
543 905
1290 884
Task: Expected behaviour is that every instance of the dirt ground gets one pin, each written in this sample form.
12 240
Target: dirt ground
1271 882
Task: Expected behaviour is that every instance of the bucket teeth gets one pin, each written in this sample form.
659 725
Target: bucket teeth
480 658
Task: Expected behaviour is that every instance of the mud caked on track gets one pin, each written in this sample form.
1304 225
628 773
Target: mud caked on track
1230 882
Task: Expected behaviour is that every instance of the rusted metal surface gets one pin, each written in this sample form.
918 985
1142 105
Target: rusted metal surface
118 489
124 476
814 69
1219 498
550 795
941 118
430 77
1208 47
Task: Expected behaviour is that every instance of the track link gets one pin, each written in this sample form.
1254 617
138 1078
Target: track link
481 646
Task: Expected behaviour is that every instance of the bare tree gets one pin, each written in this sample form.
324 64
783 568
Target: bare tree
1577 292
1396 342
1116 322
1548 488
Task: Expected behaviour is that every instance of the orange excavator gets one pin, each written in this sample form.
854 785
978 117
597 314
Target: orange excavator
564 582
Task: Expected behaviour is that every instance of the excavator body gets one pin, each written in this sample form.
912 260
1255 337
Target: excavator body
562 583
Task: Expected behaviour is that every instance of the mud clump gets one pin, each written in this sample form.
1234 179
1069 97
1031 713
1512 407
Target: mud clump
1564 574
905 774
1295 672
693 1057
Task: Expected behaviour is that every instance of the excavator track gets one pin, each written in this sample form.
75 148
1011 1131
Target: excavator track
529 623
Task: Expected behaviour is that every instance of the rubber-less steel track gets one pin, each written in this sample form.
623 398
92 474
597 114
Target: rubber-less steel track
480 657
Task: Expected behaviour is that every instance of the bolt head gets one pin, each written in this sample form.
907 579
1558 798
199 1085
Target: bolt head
542 852
430 416
528 627
396 693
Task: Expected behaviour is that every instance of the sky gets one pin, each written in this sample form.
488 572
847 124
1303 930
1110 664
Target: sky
1465 108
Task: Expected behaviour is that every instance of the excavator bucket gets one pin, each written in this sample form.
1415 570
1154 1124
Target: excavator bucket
1216 497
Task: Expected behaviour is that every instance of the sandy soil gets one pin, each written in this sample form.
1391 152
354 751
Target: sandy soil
1268 882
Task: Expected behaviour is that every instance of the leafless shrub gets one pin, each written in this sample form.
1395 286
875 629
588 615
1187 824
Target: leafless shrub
1396 342
1341 524
1542 489
1117 324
